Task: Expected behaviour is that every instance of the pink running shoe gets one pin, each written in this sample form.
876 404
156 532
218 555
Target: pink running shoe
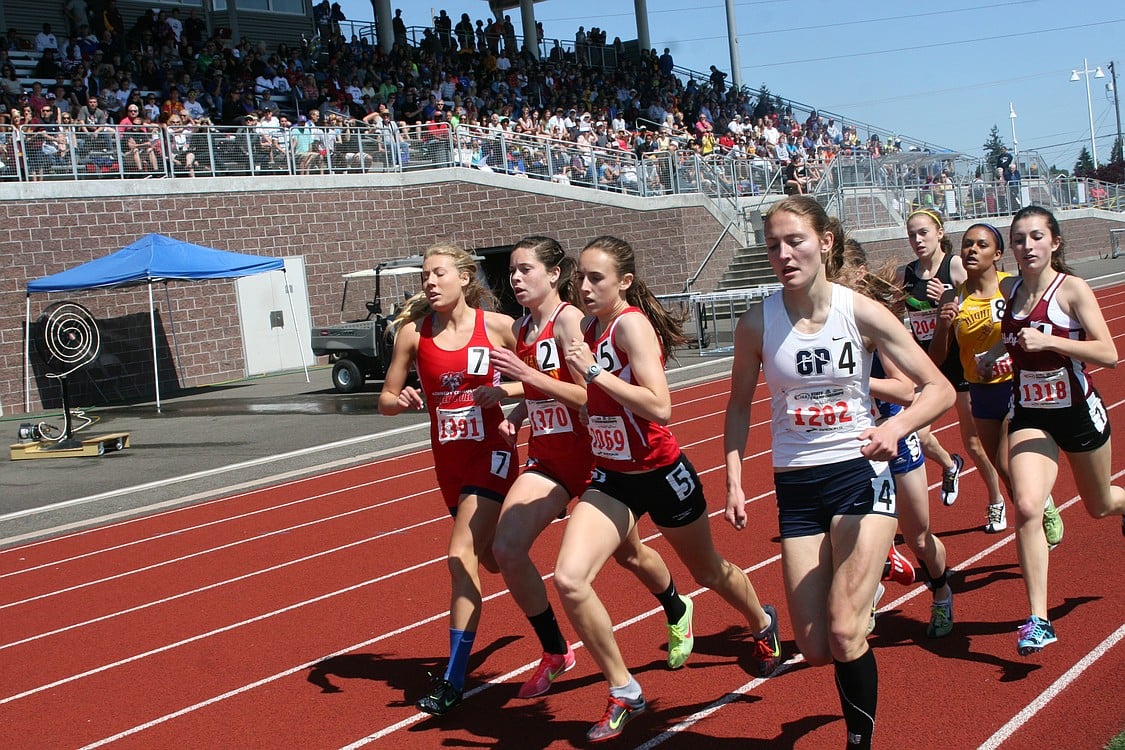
898 568
550 667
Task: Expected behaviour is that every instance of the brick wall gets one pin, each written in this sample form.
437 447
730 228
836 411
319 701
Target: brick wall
337 230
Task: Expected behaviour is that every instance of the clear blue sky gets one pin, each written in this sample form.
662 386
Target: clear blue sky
943 73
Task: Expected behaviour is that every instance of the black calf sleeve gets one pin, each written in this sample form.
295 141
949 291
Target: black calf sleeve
857 682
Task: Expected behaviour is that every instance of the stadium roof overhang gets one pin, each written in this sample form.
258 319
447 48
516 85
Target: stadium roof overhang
498 6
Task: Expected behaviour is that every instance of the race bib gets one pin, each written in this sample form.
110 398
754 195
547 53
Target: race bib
826 409
1048 389
1000 367
883 487
548 417
465 423
923 323
608 438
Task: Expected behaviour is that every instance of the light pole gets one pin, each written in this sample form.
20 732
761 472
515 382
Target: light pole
1089 103
1015 141
1116 108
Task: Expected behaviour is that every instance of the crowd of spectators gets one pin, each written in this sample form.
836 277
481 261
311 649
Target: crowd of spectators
165 71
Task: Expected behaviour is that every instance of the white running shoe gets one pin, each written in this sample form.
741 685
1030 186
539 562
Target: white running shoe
997 518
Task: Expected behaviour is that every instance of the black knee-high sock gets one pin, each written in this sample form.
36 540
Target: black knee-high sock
547 629
857 682
674 607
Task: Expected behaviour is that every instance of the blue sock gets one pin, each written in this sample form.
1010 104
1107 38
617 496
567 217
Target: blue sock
460 646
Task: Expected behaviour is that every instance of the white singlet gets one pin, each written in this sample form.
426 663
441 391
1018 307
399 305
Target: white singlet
819 391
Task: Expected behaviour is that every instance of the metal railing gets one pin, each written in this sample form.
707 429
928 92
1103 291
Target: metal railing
864 191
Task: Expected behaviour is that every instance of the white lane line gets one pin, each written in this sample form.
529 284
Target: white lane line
217 631
1031 709
200 499
209 550
216 584
135 514
208 473
901 599
200 526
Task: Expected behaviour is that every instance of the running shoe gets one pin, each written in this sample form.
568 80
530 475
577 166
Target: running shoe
551 666
1034 635
767 645
681 638
997 518
898 568
617 714
1052 523
442 697
879 591
941 619
950 479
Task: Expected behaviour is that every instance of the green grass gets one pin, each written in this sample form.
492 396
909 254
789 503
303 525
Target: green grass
1117 743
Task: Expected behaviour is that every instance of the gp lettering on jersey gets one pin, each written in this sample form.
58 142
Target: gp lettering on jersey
1045 389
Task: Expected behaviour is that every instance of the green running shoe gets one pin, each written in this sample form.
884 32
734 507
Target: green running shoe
1052 523
681 638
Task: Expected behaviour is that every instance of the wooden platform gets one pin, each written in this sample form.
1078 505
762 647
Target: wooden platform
94 445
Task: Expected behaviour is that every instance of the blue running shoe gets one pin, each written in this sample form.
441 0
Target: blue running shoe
1034 635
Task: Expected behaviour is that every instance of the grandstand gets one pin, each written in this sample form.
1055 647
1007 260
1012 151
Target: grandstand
430 143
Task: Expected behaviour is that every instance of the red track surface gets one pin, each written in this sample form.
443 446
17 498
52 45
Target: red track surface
307 614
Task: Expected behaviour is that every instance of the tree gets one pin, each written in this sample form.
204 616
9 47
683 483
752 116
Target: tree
992 146
762 108
1115 152
1085 164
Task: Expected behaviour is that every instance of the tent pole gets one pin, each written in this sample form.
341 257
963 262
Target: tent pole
152 326
296 328
27 358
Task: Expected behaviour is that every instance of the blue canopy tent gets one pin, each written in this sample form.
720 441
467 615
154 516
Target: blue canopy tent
151 259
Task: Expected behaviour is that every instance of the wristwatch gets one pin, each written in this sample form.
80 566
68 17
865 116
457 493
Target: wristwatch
592 372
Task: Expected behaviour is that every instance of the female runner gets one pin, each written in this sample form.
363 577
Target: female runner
559 462
972 320
849 268
1053 328
449 339
836 498
639 469
926 280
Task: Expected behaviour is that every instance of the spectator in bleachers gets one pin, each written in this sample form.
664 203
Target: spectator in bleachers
270 151
193 107
266 102
48 65
10 86
46 39
92 115
182 155
174 26
151 108
305 147
17 42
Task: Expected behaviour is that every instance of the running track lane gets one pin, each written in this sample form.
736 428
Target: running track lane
351 564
